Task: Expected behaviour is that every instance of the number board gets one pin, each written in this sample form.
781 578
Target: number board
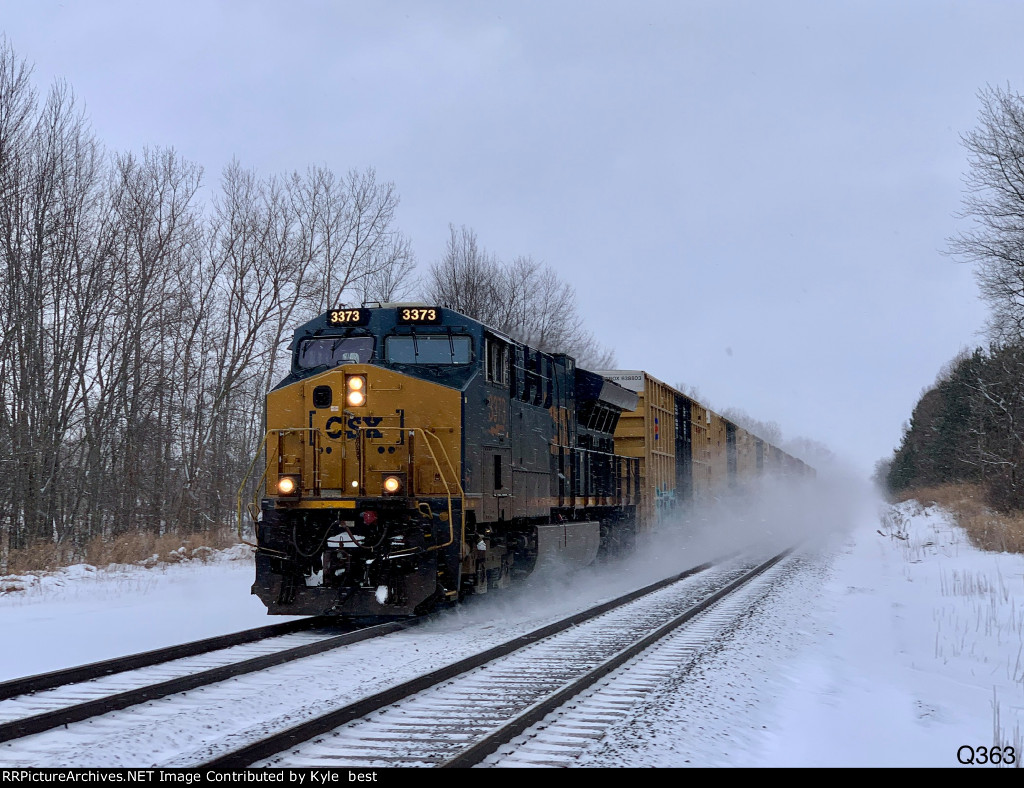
348 317
419 315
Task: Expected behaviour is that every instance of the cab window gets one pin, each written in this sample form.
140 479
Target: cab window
497 361
429 349
332 351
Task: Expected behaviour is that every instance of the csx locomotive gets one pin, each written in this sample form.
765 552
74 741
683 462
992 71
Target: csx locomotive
415 456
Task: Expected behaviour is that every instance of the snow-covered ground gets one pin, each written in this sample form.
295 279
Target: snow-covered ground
894 643
895 647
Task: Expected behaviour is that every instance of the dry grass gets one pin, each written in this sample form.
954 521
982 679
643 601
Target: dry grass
136 548
986 529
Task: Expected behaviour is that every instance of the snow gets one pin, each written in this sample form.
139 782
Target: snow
892 642
81 614
893 648
916 650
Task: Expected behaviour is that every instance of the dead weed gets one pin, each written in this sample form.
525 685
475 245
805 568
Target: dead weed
136 548
986 529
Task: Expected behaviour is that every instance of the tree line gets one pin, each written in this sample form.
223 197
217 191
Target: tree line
969 426
141 325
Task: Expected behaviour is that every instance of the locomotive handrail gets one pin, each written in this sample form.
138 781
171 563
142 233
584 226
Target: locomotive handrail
458 484
245 480
427 436
447 484
279 431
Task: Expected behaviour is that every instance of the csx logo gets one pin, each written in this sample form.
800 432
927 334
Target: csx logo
353 424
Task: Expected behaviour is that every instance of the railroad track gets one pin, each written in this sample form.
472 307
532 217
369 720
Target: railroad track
35 704
462 714
467 708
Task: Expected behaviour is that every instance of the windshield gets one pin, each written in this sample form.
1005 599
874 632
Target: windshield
429 349
332 351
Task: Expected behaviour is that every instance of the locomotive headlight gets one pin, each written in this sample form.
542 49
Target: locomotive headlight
356 395
392 483
288 485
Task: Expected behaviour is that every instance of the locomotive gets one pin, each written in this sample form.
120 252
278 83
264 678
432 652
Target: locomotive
414 456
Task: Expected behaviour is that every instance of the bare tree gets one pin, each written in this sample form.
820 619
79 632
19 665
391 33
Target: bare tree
250 278
395 280
153 223
814 453
693 392
17 107
467 279
140 330
51 174
769 431
524 299
348 232
278 253
994 200
971 424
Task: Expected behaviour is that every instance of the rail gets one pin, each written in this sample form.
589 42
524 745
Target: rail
513 706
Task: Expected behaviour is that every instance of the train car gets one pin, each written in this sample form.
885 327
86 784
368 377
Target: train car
651 434
686 451
414 456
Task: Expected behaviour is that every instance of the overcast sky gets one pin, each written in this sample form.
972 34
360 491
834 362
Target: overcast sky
751 198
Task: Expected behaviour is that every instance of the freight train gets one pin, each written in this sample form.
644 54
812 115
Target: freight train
414 456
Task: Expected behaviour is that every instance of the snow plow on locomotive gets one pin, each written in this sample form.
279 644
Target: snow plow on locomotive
414 456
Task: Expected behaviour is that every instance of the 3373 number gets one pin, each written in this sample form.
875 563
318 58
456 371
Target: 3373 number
418 315
340 317
983 756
